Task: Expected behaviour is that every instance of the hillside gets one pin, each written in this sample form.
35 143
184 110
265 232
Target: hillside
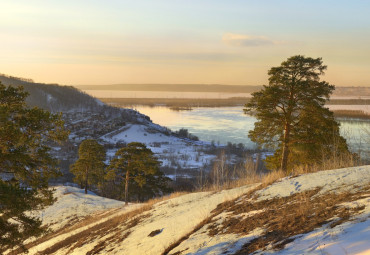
325 212
88 118
53 97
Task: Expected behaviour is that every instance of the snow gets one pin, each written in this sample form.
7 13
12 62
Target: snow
177 217
50 98
73 203
329 180
348 238
100 103
169 149
138 133
201 243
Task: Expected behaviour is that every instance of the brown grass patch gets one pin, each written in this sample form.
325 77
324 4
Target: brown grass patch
128 220
73 224
95 230
165 198
101 245
283 218
185 237
200 225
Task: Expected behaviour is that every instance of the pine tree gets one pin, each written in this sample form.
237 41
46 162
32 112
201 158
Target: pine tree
136 166
89 168
291 117
26 164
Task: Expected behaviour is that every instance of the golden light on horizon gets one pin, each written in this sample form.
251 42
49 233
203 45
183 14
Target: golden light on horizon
175 43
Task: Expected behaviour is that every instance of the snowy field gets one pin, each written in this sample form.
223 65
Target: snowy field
89 223
170 150
73 205
343 239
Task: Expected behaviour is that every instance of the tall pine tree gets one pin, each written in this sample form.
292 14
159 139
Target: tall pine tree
89 168
26 164
291 117
136 166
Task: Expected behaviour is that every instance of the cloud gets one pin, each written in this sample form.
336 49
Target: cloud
247 40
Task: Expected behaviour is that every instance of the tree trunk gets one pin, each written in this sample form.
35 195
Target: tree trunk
258 162
126 187
86 179
285 154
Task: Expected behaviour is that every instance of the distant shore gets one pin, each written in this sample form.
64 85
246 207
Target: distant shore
186 104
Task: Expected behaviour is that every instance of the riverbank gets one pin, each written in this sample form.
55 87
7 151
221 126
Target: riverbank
344 108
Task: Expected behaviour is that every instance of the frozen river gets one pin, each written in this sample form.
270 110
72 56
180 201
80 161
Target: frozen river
230 124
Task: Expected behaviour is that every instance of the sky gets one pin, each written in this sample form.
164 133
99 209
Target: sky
80 42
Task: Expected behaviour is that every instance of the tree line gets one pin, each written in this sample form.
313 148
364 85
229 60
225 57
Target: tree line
132 175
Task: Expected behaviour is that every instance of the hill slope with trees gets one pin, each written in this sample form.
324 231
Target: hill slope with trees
326 212
53 97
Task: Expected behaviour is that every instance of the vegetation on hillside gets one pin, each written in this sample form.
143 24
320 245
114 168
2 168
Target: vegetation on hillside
26 164
132 175
53 97
135 166
89 168
291 117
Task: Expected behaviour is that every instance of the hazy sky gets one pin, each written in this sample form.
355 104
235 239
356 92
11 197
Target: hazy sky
181 41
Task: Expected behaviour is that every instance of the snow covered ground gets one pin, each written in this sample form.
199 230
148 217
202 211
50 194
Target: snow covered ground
330 180
342 239
72 204
184 221
170 150
348 238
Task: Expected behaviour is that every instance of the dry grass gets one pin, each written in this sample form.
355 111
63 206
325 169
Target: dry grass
198 227
120 224
272 176
302 204
333 162
72 225
298 205
185 237
283 218
157 200
247 174
251 177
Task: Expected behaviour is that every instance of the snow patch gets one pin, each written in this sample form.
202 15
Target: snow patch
329 180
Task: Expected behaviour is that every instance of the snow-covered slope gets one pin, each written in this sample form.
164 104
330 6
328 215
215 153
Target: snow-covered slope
326 212
72 205
170 150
